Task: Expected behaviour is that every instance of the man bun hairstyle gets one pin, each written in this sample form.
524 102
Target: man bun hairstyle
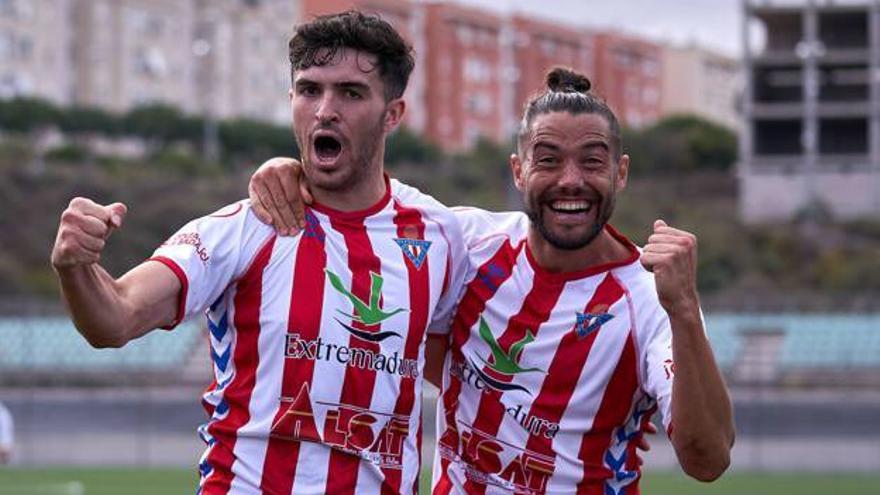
567 91
319 42
563 80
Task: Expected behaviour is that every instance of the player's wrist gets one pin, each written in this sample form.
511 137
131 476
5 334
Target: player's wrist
685 308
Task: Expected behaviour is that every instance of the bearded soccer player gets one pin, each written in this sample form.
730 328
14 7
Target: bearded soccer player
568 337
317 340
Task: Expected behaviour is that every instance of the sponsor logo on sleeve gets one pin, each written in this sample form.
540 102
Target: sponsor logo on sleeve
190 239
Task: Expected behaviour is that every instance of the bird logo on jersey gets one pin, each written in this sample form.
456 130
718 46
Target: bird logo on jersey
503 362
506 363
364 313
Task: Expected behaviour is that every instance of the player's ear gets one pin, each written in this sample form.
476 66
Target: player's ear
394 111
622 172
516 166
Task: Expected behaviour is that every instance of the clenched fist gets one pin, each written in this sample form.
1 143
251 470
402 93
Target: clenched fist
672 255
83 231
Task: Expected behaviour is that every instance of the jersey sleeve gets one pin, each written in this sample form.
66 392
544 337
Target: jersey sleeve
457 268
478 225
207 254
658 368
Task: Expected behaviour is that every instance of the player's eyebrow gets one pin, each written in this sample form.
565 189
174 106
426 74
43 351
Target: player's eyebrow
593 144
541 145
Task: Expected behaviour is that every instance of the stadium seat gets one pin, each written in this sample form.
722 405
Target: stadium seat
53 344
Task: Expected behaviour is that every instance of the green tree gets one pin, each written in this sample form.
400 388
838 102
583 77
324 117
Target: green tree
406 146
81 119
27 114
681 143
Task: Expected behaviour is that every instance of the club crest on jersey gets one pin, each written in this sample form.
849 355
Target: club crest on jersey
588 323
367 314
415 250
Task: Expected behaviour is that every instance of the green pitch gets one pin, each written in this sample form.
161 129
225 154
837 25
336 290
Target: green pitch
110 481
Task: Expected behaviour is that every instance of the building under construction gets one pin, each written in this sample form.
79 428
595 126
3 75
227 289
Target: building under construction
811 134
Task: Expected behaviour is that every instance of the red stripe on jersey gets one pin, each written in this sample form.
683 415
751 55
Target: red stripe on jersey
565 371
409 223
291 424
248 298
616 404
358 384
535 310
488 279
181 295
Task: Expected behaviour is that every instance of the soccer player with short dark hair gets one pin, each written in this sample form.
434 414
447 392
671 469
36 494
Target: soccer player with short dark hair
317 340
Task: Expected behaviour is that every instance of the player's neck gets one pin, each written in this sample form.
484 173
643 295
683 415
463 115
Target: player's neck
361 196
604 249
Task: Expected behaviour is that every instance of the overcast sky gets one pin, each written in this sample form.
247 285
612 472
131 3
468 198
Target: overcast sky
711 23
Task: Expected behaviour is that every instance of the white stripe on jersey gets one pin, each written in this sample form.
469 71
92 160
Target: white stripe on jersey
639 325
215 252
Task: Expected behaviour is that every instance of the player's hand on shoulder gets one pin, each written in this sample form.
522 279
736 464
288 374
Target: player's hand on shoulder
672 255
278 194
83 232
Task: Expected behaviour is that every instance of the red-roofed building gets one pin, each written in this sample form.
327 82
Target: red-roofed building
629 76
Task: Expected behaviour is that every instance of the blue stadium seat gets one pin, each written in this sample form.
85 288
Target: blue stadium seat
839 341
53 344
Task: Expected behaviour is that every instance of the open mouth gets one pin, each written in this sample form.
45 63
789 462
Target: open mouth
327 148
571 207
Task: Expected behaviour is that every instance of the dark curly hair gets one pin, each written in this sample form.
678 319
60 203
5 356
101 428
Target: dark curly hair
567 91
317 43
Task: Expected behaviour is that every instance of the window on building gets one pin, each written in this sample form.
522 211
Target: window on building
477 70
7 46
478 104
25 48
146 23
465 34
9 9
650 96
150 62
651 67
548 46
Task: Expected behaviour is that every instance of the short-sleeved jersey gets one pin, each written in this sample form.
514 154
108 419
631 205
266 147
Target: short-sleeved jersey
551 377
317 341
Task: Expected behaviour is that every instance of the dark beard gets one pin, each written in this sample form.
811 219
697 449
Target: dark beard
361 156
569 244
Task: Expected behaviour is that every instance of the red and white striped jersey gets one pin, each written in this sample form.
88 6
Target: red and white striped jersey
551 377
318 341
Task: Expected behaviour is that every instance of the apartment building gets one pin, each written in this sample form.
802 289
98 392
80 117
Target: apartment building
629 75
239 51
474 68
407 18
35 42
701 82
131 52
812 110
465 65
539 45
225 58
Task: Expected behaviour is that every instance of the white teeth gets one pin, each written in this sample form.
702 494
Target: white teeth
570 205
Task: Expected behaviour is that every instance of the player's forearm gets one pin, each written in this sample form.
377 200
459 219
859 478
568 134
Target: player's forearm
435 355
702 415
96 305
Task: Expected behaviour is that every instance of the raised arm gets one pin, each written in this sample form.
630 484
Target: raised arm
108 312
702 415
